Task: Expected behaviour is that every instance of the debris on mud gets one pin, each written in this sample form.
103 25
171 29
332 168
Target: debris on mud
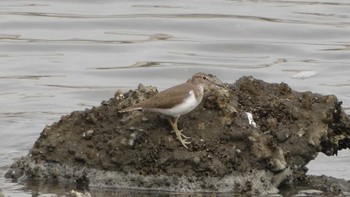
247 137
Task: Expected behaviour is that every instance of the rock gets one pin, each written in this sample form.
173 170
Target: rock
88 134
230 151
144 119
119 95
324 184
74 193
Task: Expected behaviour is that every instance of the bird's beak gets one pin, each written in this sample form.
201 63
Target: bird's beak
216 81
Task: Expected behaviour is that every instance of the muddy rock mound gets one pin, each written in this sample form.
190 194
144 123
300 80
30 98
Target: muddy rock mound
247 137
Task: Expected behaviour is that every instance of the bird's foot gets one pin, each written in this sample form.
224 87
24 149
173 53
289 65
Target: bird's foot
182 138
182 135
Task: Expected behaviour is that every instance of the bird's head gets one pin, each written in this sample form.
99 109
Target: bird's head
206 79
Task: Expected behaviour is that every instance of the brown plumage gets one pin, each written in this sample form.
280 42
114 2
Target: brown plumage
165 99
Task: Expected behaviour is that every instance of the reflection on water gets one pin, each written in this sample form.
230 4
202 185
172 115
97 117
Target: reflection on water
57 57
37 188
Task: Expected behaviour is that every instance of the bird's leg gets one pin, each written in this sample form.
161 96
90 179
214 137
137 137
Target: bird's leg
176 128
178 132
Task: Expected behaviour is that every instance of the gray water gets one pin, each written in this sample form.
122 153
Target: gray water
61 56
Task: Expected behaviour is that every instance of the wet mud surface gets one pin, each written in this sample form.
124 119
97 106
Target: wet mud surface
229 152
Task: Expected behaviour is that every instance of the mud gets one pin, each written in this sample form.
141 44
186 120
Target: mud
101 148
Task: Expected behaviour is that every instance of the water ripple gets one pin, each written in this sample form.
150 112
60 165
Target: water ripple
191 64
178 16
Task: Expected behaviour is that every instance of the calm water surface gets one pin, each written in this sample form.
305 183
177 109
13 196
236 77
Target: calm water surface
61 56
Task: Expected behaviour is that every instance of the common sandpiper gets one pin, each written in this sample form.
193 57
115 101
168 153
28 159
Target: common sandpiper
178 100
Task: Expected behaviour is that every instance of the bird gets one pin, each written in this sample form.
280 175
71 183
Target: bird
178 100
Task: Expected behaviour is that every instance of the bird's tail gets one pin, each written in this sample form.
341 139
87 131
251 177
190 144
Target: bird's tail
129 109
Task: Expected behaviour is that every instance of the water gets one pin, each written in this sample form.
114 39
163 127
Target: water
61 56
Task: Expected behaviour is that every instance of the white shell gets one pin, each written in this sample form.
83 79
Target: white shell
251 119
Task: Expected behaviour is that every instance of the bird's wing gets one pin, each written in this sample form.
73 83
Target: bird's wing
166 99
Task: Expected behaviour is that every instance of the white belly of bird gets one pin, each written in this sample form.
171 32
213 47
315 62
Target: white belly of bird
183 108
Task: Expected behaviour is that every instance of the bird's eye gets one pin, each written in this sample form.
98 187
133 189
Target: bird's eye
204 78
